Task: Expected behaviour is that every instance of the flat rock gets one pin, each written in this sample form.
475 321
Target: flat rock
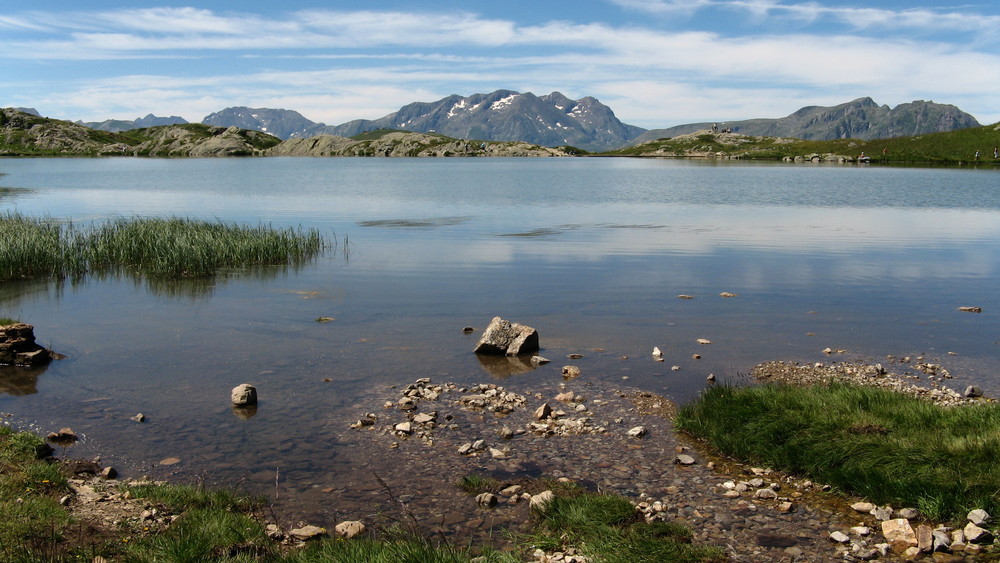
684 459
306 533
975 534
979 517
899 532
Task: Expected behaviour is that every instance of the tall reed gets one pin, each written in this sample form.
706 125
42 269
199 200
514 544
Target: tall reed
157 248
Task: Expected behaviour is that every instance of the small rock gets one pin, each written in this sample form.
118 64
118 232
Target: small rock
975 534
244 395
908 513
703 341
979 517
468 329
727 294
139 418
786 507
684 459
657 353
539 360
425 418
543 412
569 372
306 533
541 500
511 490
942 541
971 309
863 507
65 500
683 296
637 432
109 473
403 428
710 378
565 397
882 513
765 494
487 499
839 537
349 529
973 391
861 530
274 532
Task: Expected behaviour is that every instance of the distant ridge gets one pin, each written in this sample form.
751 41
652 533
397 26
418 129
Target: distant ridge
858 119
119 125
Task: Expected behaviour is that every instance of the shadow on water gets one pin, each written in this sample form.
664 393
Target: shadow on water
502 367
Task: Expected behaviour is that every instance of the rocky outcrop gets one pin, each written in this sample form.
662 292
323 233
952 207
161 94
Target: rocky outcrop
201 141
403 144
506 338
26 134
18 346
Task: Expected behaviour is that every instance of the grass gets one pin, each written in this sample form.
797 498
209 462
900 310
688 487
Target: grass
608 528
156 248
885 446
32 522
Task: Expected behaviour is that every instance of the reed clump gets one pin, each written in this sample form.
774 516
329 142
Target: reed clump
156 248
885 446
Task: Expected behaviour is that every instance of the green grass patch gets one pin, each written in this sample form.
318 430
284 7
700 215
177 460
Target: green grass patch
608 528
885 446
156 248
32 522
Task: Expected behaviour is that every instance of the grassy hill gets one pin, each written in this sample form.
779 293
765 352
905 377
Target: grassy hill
950 147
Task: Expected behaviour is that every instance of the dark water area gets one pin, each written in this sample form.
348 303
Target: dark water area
591 252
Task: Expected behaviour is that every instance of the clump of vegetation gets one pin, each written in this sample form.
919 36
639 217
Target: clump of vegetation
32 522
157 248
608 528
886 446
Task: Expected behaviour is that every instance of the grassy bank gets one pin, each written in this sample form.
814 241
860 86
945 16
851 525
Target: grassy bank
876 443
157 248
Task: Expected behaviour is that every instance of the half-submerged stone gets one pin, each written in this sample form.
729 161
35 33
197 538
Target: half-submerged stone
244 395
504 338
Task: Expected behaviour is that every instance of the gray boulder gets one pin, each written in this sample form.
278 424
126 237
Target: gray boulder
504 338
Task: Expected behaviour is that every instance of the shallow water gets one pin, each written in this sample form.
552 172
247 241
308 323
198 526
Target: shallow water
591 252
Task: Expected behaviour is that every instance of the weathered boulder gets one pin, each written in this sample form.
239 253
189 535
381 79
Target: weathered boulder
244 395
504 338
350 529
18 347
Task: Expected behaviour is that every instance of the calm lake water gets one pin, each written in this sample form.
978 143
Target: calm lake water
591 252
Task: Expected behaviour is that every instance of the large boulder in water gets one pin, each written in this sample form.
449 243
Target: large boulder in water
18 347
504 338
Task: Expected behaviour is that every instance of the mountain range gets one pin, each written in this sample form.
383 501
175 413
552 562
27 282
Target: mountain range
554 120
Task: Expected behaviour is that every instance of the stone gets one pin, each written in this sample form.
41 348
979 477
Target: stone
684 459
882 513
18 346
942 541
710 378
786 507
910 553
898 532
543 412
349 529
863 507
403 428
569 372
703 341
504 338
566 397
488 500
637 432
512 490
973 391
306 533
657 353
839 537
244 395
274 532
540 501
975 534
425 418
65 436
979 517
139 417
539 360
861 530
925 538
908 513
109 473
971 309
766 494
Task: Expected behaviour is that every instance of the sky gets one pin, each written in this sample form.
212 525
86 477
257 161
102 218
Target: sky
656 63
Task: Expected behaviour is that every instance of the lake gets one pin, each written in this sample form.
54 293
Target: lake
592 252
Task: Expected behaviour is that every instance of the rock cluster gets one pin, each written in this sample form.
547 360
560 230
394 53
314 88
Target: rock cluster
18 346
867 374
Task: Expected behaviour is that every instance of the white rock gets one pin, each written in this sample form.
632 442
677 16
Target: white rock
541 500
979 517
307 532
657 353
975 534
861 530
839 537
684 459
767 494
863 507
349 529
637 432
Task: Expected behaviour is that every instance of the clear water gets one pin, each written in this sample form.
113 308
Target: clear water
591 252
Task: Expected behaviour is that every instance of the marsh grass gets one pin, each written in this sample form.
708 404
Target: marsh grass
155 248
882 445
607 528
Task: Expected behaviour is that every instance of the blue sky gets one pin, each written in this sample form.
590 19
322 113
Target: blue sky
655 62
